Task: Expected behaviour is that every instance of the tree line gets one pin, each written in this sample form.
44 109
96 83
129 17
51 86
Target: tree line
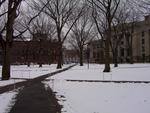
79 21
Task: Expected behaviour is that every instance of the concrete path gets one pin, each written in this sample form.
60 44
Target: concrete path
35 99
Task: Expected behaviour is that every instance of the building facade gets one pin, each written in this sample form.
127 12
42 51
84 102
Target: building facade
96 51
70 56
139 44
141 41
25 52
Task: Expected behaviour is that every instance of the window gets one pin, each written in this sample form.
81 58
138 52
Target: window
143 41
143 49
122 42
143 33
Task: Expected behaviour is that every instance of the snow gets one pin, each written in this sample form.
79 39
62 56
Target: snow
6 101
22 72
90 96
8 82
127 72
98 97
33 71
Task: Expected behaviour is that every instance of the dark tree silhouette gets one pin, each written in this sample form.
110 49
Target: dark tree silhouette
103 14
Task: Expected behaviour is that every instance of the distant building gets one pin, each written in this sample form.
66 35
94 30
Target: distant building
96 51
70 56
141 41
24 52
140 44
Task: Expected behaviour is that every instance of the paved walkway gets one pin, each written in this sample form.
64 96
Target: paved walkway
34 98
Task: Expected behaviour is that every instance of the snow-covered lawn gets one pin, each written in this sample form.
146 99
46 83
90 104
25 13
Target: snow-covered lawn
98 97
23 72
135 72
90 97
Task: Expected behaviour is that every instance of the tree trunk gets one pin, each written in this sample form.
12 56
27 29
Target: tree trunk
131 56
11 16
107 65
40 53
28 64
6 62
59 63
27 59
107 56
116 58
40 65
131 52
81 57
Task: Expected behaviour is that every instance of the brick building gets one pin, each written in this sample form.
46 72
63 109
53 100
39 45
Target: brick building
24 52
70 56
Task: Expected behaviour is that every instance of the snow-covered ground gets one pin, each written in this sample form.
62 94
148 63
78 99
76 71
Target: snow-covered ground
8 82
6 101
98 97
90 96
134 72
23 72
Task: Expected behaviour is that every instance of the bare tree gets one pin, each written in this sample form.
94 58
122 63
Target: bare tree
42 30
118 27
1 2
12 13
2 11
103 14
42 25
82 34
61 12
143 6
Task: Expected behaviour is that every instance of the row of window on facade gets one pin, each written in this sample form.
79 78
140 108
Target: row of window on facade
124 51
